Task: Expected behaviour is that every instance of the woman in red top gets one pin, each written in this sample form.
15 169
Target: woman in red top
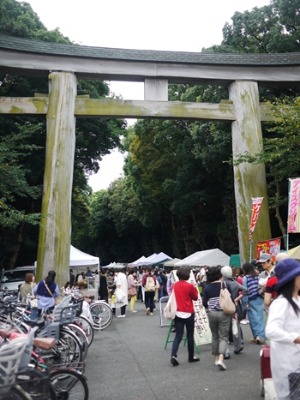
185 293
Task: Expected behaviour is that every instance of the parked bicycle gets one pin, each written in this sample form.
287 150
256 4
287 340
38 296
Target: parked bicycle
37 381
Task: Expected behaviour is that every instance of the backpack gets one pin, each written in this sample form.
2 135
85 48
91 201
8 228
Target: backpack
150 284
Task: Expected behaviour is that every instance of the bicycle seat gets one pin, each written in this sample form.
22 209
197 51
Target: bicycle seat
44 343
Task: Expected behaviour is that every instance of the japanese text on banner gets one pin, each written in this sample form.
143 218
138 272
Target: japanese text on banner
256 204
293 225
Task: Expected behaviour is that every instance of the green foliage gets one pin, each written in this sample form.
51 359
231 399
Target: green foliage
180 172
94 138
269 29
14 181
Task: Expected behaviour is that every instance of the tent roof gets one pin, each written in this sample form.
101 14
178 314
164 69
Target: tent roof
114 265
294 253
172 262
79 259
157 259
138 261
205 257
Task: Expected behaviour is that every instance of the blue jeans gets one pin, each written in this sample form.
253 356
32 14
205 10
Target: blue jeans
180 323
256 317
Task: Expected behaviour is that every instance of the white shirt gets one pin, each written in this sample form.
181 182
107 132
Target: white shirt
283 327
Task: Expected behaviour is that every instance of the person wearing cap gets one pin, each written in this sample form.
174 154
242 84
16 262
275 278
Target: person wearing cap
265 260
283 327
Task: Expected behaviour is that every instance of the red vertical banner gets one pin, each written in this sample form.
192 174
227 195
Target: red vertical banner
271 246
256 204
293 223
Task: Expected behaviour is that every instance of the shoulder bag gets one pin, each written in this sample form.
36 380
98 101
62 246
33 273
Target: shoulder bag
226 303
48 290
132 291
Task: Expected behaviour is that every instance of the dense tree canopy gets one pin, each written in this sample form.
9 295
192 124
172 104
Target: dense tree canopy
22 148
177 195
181 172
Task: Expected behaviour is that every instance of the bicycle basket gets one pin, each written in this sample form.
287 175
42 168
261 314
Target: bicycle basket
26 355
57 310
52 330
77 366
10 356
68 314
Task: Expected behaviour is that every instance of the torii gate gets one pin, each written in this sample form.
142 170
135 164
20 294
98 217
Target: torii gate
64 63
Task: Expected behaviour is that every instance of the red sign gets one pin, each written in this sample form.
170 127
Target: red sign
256 204
271 246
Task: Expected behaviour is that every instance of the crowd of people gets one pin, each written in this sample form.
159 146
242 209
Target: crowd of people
265 295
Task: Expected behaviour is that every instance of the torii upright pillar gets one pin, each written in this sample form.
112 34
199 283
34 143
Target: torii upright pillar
249 179
55 228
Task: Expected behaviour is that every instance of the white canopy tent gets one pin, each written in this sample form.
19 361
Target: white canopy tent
172 262
151 260
143 260
205 257
114 265
157 258
294 253
80 259
138 262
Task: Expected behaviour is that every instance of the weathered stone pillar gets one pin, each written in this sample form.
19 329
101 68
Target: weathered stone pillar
156 89
55 228
249 179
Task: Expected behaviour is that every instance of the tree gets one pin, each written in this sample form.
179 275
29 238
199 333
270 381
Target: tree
94 138
280 154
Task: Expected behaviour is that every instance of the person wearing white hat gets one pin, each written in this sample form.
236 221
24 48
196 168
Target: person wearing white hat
283 330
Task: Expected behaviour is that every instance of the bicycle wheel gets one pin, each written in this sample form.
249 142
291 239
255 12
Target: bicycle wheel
87 327
69 384
81 337
36 384
102 315
66 351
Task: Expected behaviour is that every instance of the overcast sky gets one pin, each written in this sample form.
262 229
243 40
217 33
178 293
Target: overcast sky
175 25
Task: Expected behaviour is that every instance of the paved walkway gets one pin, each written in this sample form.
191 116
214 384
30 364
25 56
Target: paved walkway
127 361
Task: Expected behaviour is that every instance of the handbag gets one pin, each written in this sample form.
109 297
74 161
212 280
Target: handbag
171 307
226 303
235 329
120 295
294 383
132 291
